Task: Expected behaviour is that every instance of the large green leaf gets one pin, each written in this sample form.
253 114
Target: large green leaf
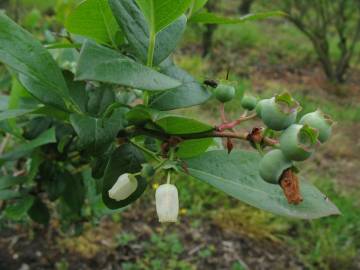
237 175
190 93
102 64
136 30
211 18
125 159
161 13
38 72
93 19
193 148
95 134
23 149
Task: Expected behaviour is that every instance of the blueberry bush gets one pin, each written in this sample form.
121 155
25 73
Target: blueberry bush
91 130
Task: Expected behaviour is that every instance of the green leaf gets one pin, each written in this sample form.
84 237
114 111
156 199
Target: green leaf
169 123
95 134
93 19
9 114
193 148
38 72
161 13
211 18
125 159
74 193
190 93
9 181
197 5
39 212
179 125
8 194
136 30
24 149
18 210
237 175
102 64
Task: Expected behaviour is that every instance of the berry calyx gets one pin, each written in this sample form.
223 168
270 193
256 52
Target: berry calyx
279 112
272 166
319 121
248 102
224 92
298 142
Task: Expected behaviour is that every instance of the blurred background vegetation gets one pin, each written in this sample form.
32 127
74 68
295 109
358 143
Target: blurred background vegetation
313 53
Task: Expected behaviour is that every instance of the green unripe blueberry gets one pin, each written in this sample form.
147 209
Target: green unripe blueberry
259 105
248 102
224 92
298 142
279 112
272 166
147 170
319 121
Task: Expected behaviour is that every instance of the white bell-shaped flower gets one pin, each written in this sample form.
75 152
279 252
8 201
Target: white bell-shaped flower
124 187
167 203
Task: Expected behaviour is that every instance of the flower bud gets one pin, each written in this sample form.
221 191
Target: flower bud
124 187
167 203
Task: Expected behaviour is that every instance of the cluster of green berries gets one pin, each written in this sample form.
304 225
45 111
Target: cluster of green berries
298 140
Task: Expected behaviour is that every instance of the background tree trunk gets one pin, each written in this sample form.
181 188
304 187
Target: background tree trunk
245 7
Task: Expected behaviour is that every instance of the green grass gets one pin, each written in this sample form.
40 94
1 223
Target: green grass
332 242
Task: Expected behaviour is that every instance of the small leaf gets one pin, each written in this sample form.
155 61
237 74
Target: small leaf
193 148
74 193
179 125
93 19
190 93
9 181
237 175
211 18
18 210
9 114
102 64
24 149
95 134
136 30
170 123
125 159
39 212
8 194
